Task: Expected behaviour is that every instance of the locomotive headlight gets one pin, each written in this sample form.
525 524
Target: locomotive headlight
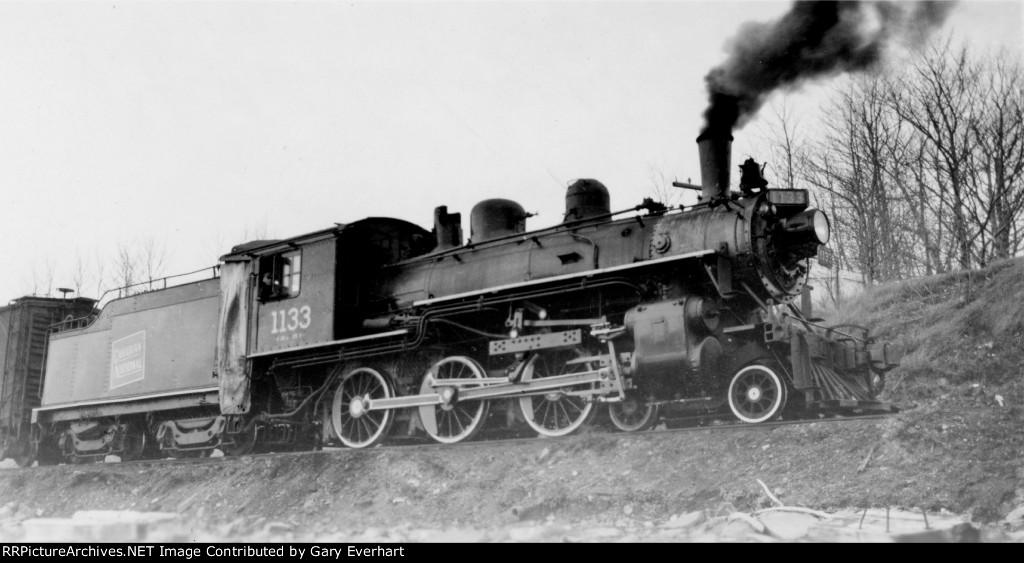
808 227
822 228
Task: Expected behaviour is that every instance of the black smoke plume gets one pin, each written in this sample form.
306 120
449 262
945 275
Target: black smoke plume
813 40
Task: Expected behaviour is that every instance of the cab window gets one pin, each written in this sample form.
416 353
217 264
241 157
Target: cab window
291 275
280 275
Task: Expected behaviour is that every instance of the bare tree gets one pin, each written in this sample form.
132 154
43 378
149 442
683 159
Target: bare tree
99 279
661 188
849 166
782 134
31 282
256 232
938 96
79 273
919 168
213 246
999 131
923 205
151 256
126 268
48 277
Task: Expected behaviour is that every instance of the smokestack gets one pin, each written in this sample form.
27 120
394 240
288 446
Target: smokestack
715 147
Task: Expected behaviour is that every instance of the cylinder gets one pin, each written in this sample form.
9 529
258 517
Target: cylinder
715 150
702 315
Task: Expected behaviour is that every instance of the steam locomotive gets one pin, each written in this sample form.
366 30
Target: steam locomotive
336 336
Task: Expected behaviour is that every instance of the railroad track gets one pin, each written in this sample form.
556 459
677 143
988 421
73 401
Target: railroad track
487 438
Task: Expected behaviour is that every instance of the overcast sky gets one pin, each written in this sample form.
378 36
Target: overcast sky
195 125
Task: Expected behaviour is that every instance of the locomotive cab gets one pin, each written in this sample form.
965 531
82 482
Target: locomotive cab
301 294
310 290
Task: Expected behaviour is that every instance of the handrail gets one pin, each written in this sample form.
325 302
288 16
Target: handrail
125 291
517 238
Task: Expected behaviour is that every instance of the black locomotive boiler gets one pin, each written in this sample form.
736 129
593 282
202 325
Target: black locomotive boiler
333 336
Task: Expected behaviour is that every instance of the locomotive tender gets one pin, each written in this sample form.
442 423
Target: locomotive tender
333 336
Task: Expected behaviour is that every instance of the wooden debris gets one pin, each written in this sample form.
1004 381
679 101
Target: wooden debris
864 464
769 493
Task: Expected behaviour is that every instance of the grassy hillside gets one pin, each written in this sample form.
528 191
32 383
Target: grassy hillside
958 330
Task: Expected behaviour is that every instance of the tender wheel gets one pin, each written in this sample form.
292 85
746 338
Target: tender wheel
355 426
559 412
135 442
756 394
633 414
457 420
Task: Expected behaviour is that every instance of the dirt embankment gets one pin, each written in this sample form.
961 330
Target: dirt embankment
946 456
956 447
